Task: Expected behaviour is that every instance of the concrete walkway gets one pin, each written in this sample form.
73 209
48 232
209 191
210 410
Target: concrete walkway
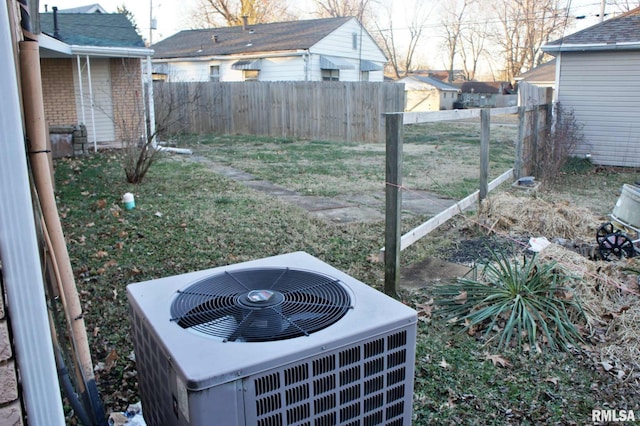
339 209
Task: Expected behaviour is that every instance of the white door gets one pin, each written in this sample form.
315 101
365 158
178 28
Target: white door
97 112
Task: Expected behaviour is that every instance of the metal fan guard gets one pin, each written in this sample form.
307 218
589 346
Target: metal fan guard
261 304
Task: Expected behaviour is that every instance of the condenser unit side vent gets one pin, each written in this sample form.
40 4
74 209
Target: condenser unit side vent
363 383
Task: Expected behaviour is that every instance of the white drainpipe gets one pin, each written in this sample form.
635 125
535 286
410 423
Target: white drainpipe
19 252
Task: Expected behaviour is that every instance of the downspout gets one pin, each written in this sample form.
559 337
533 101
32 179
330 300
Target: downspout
21 266
150 105
306 57
84 118
93 117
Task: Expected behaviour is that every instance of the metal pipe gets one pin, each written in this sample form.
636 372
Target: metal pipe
20 256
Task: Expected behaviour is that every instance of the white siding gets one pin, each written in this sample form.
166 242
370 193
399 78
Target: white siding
102 99
283 69
603 91
188 71
340 43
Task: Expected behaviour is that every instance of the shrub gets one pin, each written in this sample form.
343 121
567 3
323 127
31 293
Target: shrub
515 300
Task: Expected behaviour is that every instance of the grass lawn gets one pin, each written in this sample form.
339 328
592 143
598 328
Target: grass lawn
188 218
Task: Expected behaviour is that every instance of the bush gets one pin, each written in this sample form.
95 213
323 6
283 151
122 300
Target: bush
515 300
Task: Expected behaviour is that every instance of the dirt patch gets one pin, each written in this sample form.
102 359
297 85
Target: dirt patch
430 271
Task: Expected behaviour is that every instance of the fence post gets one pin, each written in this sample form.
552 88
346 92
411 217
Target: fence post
519 162
393 208
485 133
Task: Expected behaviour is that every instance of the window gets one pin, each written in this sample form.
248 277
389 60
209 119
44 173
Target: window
364 75
330 75
250 75
214 72
354 41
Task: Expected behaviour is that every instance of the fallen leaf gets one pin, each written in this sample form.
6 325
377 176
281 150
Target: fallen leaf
85 193
110 360
425 309
461 299
90 224
553 380
158 214
119 245
606 366
444 363
101 203
498 360
374 258
110 263
96 330
101 253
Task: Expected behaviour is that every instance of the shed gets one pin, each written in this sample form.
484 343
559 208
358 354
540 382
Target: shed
428 93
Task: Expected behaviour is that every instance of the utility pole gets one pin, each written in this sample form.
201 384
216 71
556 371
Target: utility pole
602 4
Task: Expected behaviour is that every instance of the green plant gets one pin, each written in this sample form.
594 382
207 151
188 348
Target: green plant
517 299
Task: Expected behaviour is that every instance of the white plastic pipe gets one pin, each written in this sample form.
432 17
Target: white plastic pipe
19 253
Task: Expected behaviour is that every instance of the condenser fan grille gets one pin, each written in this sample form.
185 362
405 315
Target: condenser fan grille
258 305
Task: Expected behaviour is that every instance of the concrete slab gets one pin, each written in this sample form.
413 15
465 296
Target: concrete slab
268 187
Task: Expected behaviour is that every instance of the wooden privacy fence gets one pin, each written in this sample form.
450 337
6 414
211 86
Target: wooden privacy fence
340 111
533 122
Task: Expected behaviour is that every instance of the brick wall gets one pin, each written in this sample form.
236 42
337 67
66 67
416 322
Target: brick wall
10 403
58 92
128 105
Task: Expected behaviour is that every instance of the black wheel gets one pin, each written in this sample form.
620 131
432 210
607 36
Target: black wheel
603 231
616 244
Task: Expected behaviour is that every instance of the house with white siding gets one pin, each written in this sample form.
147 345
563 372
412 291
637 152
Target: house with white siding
597 77
330 49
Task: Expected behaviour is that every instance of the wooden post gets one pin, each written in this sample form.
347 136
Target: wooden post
393 209
518 166
485 133
533 149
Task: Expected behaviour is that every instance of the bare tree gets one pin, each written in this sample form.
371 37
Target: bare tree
523 27
401 57
452 26
336 8
213 13
624 5
472 47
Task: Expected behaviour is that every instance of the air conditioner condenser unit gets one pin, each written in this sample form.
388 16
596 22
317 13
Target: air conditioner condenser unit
285 340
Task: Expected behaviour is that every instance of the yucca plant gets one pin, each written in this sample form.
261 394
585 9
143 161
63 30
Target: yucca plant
526 301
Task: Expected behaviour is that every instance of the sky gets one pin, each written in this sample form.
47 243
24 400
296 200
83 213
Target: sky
172 16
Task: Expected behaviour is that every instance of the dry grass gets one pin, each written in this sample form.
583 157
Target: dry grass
608 291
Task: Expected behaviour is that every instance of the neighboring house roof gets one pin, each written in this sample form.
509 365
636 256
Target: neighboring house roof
496 87
90 8
438 84
92 29
278 36
541 74
621 32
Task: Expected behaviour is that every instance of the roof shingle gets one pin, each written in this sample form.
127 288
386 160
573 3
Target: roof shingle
277 36
92 29
621 29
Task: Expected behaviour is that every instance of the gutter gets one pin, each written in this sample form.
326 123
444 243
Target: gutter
47 42
110 52
263 55
596 47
